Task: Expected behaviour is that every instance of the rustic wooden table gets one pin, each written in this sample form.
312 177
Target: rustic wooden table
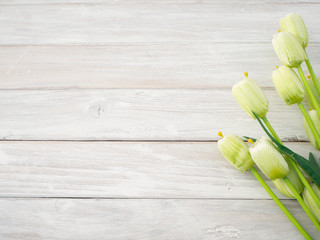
109 113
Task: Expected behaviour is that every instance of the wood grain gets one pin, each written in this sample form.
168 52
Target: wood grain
120 114
208 65
82 219
130 2
149 22
125 170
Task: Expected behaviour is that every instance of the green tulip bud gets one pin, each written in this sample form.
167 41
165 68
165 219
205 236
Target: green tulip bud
288 85
294 24
311 204
269 159
316 122
289 49
235 151
294 179
250 97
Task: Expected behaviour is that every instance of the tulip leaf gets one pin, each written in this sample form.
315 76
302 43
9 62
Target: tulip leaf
309 166
313 161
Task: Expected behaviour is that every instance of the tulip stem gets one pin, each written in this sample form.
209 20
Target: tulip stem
302 203
293 163
279 203
310 123
305 182
273 132
309 91
314 78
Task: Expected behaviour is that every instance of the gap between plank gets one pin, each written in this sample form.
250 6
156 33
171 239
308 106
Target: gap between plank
146 198
160 3
106 44
106 88
122 140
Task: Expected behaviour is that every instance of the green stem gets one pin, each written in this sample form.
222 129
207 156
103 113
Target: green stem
309 91
310 123
273 132
305 182
279 203
294 164
314 78
302 203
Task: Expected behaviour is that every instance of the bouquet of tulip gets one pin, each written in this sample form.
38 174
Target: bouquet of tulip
293 175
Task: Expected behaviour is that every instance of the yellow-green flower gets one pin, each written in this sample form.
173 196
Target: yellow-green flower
316 122
250 97
294 24
289 49
288 85
236 152
294 179
269 159
311 204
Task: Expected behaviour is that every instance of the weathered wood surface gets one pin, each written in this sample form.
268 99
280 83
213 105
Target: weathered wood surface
82 219
133 114
202 65
124 100
32 2
218 21
124 170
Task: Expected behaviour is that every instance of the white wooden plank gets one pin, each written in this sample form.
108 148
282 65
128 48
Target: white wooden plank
126 2
148 219
208 65
125 170
148 22
120 114
129 2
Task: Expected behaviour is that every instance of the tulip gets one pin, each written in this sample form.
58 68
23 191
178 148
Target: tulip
250 97
289 49
310 202
303 204
292 54
294 24
316 122
274 166
291 90
269 159
293 190
294 179
288 85
236 152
